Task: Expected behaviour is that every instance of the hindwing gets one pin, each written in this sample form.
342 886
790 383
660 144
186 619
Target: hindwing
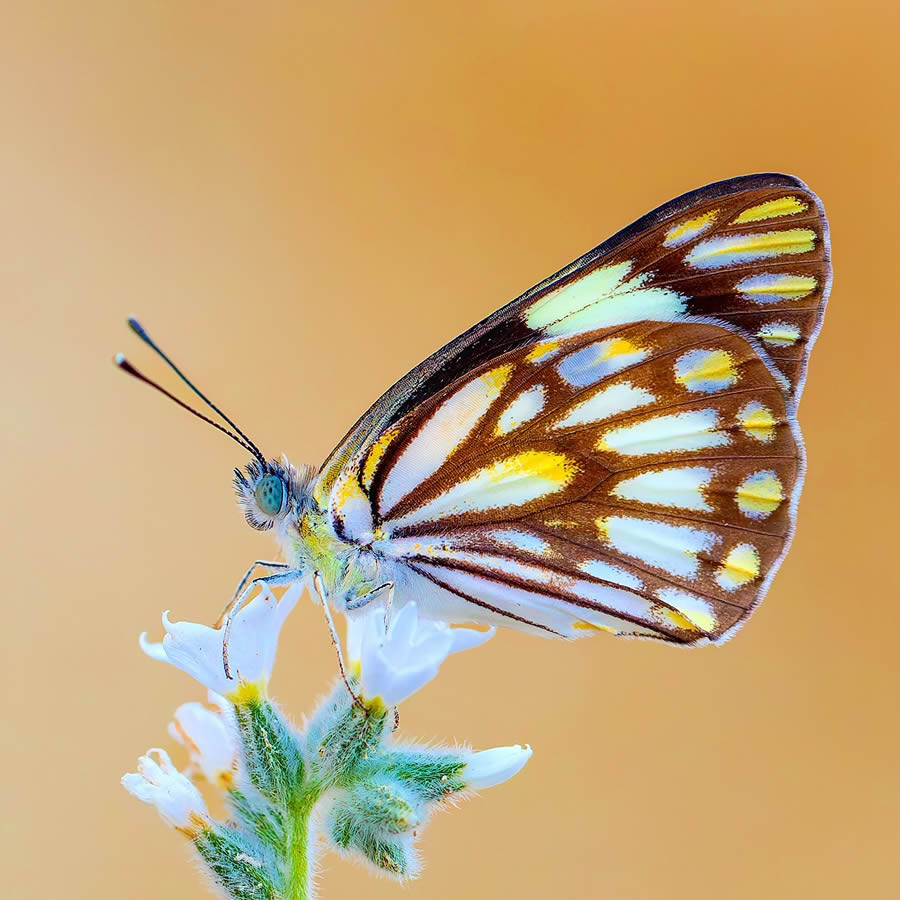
617 448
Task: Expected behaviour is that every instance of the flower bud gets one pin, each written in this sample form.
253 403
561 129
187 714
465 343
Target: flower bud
385 807
176 799
490 767
208 734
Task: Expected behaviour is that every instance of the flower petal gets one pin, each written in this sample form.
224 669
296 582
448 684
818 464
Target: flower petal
253 640
469 638
153 649
396 664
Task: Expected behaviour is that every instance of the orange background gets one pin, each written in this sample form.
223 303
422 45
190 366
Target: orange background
301 203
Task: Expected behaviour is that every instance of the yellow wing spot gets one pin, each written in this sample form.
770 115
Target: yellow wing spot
554 468
687 610
706 370
758 421
686 231
376 453
772 209
734 249
346 491
779 334
774 243
675 619
619 347
771 287
562 523
590 626
760 494
496 379
740 567
543 351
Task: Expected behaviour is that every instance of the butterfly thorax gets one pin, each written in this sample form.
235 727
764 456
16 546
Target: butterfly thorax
309 544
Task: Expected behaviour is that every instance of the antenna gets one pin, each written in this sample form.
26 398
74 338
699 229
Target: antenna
138 329
126 366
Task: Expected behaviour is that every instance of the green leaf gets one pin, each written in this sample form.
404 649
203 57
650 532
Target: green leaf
272 753
429 774
393 854
243 868
258 816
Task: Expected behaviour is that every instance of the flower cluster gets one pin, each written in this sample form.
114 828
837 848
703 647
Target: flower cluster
343 781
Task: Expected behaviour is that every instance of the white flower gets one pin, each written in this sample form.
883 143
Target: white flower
394 665
489 767
208 734
163 786
199 649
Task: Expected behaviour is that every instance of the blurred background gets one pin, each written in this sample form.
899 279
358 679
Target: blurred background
301 201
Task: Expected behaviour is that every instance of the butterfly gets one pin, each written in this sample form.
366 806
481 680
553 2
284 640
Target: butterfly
615 450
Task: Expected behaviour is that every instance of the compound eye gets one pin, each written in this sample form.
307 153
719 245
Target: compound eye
270 495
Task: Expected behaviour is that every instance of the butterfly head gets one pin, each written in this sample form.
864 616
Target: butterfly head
271 492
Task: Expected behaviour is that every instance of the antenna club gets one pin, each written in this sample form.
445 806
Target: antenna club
119 359
136 327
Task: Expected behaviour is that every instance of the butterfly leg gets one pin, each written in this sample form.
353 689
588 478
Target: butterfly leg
365 599
233 604
336 641
257 564
227 618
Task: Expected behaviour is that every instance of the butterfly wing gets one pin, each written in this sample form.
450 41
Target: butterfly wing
617 448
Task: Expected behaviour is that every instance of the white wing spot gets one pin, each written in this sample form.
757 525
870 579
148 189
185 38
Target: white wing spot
602 299
523 409
597 361
680 487
607 572
522 540
513 481
672 548
676 433
451 423
608 402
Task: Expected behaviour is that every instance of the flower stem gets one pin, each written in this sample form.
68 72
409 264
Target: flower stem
299 848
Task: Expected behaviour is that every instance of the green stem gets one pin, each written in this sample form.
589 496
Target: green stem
298 846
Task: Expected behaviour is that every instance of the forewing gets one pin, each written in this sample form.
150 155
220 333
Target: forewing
752 252
638 479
